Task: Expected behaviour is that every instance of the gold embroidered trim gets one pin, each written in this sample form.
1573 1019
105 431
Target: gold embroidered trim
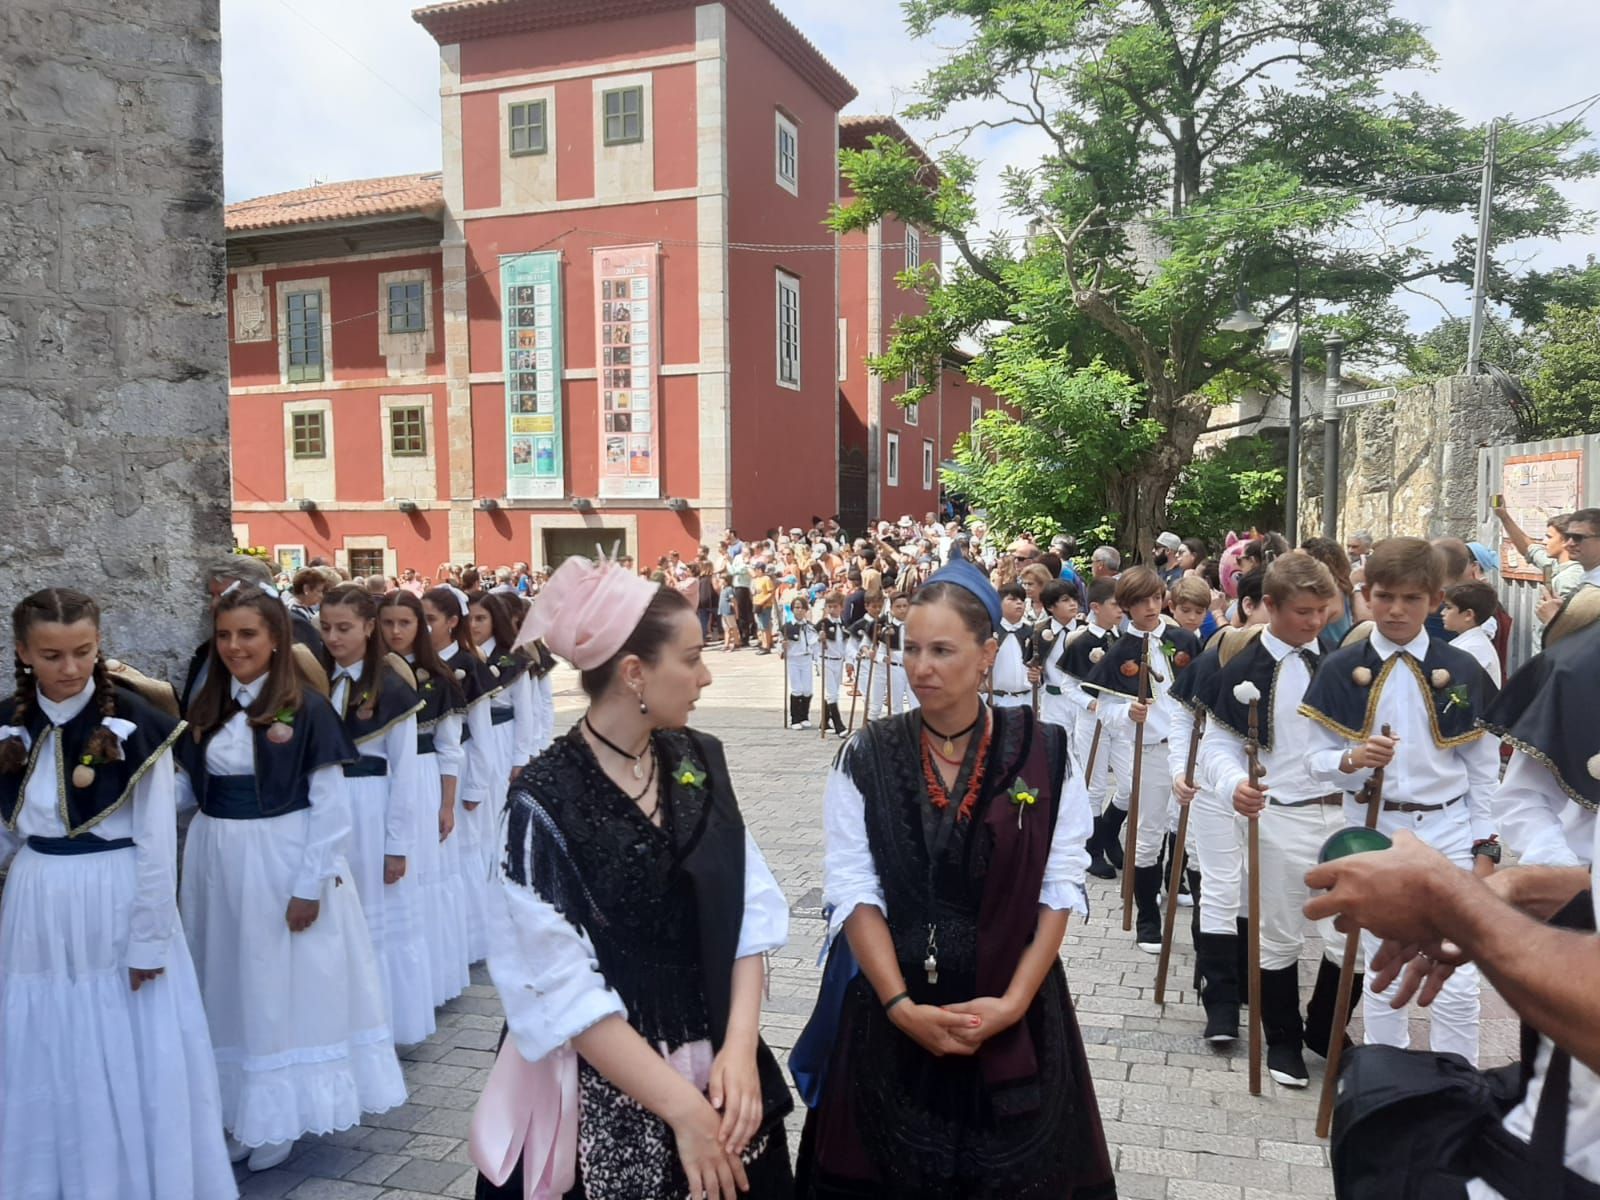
1539 756
378 733
133 782
1370 717
22 788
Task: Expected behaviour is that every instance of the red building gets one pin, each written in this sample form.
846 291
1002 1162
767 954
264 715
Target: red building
610 319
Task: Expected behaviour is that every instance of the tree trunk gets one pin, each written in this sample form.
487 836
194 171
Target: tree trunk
1139 498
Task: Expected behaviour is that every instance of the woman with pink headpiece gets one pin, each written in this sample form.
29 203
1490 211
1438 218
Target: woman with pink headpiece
637 909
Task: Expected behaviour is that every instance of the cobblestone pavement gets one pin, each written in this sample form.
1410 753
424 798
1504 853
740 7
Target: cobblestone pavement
1179 1117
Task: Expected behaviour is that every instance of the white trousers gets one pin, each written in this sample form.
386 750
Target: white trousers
1291 839
1083 747
832 673
1217 833
1156 801
890 692
1453 1026
802 669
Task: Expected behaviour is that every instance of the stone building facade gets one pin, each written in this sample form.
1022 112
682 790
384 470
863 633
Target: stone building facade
113 344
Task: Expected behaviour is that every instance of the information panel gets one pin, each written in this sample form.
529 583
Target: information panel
1537 487
628 341
530 298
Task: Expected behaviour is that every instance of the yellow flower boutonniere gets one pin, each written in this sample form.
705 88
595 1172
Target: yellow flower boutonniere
1024 796
686 774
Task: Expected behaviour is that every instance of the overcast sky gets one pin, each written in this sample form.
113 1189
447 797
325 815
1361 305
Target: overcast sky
319 92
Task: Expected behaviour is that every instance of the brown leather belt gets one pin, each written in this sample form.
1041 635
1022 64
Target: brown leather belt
1332 798
1402 807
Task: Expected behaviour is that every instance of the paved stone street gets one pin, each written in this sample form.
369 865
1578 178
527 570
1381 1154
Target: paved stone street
1180 1119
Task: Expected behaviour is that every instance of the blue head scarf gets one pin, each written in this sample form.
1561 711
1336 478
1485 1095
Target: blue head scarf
961 573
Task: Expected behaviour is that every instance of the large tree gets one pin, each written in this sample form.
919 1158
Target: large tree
1193 148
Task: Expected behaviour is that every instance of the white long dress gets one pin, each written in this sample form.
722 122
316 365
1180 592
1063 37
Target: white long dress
298 1019
474 825
383 821
516 719
105 1093
441 890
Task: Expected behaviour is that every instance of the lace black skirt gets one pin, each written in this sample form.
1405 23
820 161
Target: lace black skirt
895 1121
626 1152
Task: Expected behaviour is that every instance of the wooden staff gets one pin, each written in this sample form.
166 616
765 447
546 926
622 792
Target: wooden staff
785 672
888 671
1252 749
855 690
1094 751
1171 921
872 669
822 685
1372 796
1131 844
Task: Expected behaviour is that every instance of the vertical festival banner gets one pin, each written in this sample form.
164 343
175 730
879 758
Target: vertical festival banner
628 356
530 298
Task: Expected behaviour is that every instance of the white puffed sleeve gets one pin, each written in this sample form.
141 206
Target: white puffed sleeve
155 902
1539 822
1179 732
477 785
545 970
447 750
849 877
1065 868
766 913
525 721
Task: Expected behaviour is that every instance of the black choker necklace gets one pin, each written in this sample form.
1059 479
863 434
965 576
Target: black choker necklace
636 759
949 746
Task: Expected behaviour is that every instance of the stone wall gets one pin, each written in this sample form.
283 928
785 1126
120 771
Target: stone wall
113 342
1408 466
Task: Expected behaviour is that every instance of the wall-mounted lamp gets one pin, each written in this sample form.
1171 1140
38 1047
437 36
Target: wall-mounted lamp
308 506
488 504
409 507
582 504
677 504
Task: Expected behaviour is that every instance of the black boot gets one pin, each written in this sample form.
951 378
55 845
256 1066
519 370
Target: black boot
1109 843
1319 1012
1218 969
1280 1022
1147 909
802 711
1099 867
830 710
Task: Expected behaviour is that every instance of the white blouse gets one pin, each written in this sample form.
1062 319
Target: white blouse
547 972
324 826
149 818
849 878
396 745
525 721
474 784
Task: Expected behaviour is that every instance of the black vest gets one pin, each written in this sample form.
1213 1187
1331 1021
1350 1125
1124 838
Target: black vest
366 717
1254 664
1179 648
1548 711
82 808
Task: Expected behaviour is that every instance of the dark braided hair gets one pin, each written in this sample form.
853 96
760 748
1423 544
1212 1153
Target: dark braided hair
57 606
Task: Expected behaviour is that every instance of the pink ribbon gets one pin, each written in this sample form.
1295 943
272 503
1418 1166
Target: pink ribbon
529 1112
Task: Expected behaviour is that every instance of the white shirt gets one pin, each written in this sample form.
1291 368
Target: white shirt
1421 772
525 720
547 972
1075 690
1475 641
1538 821
325 825
1114 707
1591 577
449 756
1054 675
149 818
1010 673
396 745
1288 773
849 878
1583 1116
474 783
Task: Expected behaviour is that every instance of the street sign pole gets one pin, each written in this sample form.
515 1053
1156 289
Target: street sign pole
1330 439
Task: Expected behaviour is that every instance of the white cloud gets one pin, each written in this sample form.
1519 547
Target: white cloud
317 91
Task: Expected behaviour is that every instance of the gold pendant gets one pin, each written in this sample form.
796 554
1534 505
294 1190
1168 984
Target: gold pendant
949 748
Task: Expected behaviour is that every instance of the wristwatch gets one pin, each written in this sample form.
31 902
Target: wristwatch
1487 848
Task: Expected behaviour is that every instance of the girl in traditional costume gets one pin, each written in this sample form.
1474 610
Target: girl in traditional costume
378 706
513 710
954 855
286 967
636 913
434 862
448 611
108 1086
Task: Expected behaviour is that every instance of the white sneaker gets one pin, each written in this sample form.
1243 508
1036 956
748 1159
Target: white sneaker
264 1158
1185 900
237 1150
803 725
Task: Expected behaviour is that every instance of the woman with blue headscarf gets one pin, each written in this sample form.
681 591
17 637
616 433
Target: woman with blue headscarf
954 858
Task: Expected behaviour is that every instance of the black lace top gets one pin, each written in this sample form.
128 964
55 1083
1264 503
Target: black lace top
620 878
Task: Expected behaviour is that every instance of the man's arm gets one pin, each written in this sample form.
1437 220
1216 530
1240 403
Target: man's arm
1414 895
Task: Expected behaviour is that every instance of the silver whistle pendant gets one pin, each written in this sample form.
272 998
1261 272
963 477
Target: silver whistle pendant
931 963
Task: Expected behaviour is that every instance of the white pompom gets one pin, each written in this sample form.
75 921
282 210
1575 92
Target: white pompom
1440 678
1594 767
1096 655
1246 692
1362 676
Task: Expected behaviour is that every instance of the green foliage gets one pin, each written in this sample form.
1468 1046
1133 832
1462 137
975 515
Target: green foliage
1236 487
1040 472
1193 147
1566 384
1443 349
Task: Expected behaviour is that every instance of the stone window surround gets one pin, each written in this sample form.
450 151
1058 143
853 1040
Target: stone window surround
929 465
892 459
319 283
408 476
783 123
404 352
627 522
314 436
913 247
622 92
379 542
528 181
844 349
309 478
542 146
786 281
624 168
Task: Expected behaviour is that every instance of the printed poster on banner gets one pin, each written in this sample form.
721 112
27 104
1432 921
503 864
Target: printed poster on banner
628 356
530 299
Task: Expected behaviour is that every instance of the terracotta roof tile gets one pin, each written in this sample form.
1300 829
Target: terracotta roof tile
391 195
855 129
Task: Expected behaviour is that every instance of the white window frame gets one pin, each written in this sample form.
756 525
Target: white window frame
891 459
977 412
844 349
786 343
912 411
783 127
913 247
927 465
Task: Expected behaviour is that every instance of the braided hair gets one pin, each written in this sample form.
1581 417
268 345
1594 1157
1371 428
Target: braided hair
57 606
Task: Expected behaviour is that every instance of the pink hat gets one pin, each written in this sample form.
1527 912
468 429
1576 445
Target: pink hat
587 611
